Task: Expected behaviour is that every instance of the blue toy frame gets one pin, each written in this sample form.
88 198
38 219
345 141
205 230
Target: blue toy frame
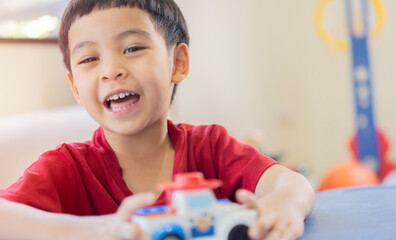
367 140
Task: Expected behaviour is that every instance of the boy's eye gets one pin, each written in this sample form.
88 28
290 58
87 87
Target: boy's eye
88 60
133 49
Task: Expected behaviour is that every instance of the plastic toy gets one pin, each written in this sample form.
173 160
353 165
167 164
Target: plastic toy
334 41
369 145
347 174
192 212
387 164
390 179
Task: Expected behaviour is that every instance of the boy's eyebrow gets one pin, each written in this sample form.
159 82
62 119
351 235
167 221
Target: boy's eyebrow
119 36
134 31
81 45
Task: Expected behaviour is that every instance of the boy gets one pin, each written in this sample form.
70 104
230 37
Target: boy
124 60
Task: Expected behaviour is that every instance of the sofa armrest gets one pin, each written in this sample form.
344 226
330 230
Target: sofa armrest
24 137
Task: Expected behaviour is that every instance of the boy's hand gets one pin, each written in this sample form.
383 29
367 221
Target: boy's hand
121 225
38 224
278 218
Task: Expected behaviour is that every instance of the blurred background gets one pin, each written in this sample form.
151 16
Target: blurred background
258 67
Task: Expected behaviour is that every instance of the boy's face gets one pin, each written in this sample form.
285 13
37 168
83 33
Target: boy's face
122 71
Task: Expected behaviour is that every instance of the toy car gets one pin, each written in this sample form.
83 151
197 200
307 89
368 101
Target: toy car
192 212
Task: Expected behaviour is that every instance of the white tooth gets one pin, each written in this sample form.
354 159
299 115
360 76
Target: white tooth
115 97
127 94
121 95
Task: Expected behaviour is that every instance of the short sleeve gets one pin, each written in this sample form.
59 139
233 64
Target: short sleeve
239 165
47 184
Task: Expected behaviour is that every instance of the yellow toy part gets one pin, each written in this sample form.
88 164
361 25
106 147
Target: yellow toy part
338 43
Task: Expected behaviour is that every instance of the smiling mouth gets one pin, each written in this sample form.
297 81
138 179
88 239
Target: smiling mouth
121 101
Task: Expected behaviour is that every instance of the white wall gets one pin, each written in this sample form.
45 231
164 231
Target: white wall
260 64
255 64
32 78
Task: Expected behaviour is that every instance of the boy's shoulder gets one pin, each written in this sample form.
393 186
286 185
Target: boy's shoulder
81 152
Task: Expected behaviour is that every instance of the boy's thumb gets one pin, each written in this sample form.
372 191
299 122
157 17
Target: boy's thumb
130 204
246 198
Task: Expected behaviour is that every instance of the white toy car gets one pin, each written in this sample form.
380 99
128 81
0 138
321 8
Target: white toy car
194 213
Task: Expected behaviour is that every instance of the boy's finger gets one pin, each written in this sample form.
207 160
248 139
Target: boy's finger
292 231
273 235
127 231
130 204
246 198
276 231
262 226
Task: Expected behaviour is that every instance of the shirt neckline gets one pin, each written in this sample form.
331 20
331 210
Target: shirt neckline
177 138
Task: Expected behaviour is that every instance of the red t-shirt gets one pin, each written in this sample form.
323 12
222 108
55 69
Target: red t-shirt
86 178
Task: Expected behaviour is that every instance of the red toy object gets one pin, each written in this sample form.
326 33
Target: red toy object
385 164
192 180
348 174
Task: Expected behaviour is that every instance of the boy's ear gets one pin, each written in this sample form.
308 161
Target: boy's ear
181 63
74 88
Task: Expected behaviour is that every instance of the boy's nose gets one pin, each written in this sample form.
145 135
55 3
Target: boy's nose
114 72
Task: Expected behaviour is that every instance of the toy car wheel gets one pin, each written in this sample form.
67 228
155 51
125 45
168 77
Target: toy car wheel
239 232
172 237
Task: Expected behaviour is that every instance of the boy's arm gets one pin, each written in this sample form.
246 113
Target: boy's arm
283 199
19 221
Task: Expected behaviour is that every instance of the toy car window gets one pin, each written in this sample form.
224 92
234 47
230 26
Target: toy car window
199 202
